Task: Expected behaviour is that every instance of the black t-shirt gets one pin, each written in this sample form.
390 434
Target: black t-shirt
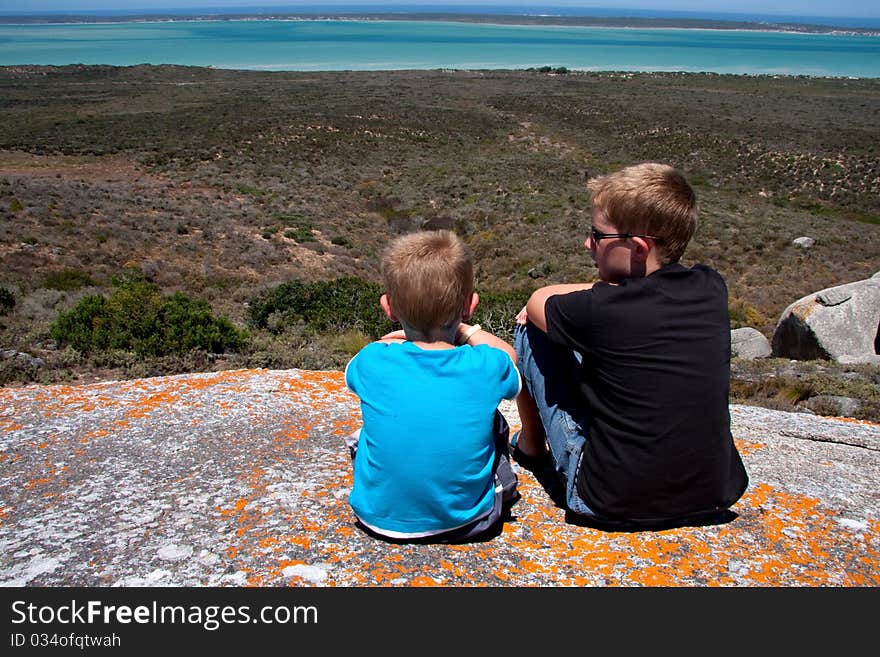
655 379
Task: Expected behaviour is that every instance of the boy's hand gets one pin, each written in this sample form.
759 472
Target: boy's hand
522 317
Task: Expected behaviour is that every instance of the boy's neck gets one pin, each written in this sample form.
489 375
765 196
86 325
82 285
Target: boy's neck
437 338
648 266
651 267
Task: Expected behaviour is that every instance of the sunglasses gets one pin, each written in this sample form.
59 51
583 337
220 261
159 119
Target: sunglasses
596 236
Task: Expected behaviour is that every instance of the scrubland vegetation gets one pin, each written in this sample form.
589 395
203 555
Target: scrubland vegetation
238 217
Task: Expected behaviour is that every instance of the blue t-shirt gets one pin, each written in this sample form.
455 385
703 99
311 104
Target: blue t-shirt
425 458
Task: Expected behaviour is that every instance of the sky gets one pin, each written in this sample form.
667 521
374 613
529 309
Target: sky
858 8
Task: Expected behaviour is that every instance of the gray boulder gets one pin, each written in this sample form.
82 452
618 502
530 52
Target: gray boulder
803 242
749 343
22 358
838 323
833 405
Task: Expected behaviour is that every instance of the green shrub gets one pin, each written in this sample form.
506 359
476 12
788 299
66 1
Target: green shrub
352 304
82 326
127 276
249 190
337 305
497 311
132 320
7 301
136 317
190 326
67 280
743 314
349 342
301 234
299 228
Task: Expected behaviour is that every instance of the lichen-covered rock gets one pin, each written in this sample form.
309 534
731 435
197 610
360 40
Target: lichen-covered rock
838 323
241 478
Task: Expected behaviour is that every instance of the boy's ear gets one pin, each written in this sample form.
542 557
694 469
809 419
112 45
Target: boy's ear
386 307
470 306
643 248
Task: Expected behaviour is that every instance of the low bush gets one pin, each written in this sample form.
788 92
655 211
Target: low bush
7 301
351 304
67 280
337 305
743 314
497 311
136 317
302 234
296 347
82 327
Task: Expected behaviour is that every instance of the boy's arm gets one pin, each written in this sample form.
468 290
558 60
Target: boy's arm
394 336
534 309
483 337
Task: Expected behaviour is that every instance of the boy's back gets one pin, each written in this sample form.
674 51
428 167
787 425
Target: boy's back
627 379
426 454
432 458
655 376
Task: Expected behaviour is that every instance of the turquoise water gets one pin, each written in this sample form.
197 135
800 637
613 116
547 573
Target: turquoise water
276 45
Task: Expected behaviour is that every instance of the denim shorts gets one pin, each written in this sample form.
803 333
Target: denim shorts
549 372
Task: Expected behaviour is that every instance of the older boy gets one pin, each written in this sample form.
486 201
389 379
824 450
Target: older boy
431 461
627 379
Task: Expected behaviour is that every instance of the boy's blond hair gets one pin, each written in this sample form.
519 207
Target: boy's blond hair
649 199
429 277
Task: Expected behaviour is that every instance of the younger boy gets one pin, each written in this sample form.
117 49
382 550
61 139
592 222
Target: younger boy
627 379
431 459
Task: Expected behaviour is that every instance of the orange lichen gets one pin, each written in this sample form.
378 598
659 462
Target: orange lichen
780 538
853 420
304 542
746 447
37 482
237 507
90 435
423 580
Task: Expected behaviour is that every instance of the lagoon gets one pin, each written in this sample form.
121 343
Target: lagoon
315 45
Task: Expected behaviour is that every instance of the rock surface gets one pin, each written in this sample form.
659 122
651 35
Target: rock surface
803 242
241 478
748 342
839 323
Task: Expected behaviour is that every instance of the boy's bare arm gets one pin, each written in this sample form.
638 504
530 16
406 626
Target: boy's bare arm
394 336
483 337
534 309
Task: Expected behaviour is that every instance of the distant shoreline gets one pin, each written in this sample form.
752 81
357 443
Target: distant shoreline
500 19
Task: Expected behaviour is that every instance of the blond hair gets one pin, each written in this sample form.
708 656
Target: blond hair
429 277
649 199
